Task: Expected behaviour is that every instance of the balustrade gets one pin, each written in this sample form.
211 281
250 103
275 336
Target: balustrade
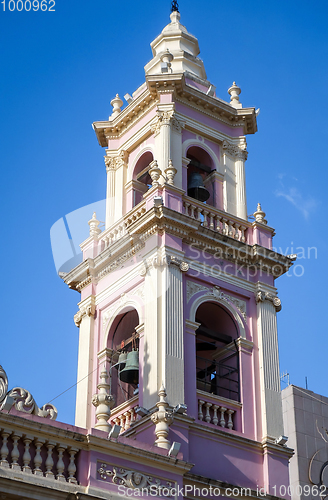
216 220
215 414
34 455
124 414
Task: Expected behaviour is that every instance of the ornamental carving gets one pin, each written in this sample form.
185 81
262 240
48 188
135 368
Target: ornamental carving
236 151
23 399
262 296
86 310
130 478
193 288
167 118
115 162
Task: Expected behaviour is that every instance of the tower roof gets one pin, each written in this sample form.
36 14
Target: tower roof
175 50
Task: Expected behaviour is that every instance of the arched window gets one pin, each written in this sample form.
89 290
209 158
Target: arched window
123 340
217 356
199 169
141 178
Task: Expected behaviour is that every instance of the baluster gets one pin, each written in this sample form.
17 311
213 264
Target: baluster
243 229
127 420
211 221
72 467
187 205
15 451
192 211
224 225
38 458
236 231
200 409
132 415
49 462
199 214
207 414
117 421
230 422
27 455
205 213
215 414
222 419
230 233
60 464
4 452
122 422
218 224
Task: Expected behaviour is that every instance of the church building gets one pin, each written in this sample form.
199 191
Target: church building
178 391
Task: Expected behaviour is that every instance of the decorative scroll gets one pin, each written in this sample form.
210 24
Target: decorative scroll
262 296
3 384
236 151
25 403
130 478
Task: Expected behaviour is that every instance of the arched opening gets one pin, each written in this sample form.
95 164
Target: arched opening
141 179
124 340
199 168
217 356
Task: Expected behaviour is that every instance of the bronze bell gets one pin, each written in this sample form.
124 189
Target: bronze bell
121 361
130 374
196 188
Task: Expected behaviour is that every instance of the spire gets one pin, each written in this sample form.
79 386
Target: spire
177 44
174 6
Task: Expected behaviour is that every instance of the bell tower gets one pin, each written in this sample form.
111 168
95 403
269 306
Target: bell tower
178 290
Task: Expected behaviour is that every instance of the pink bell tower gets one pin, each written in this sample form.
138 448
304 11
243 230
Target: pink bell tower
178 298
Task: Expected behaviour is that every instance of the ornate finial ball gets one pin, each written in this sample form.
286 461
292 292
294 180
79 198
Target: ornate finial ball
174 6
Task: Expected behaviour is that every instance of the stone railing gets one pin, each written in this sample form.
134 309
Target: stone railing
217 220
118 230
37 456
124 415
218 411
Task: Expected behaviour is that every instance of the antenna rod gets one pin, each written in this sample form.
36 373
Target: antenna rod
174 6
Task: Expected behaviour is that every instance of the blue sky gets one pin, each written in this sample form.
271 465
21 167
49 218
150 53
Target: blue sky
59 72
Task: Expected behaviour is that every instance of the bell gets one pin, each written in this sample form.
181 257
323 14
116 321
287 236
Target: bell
196 188
121 361
130 374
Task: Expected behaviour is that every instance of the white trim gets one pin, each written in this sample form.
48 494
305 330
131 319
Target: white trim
127 306
149 148
199 144
211 298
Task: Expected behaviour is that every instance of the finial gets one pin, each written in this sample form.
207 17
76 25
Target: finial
259 215
117 103
174 6
170 172
104 402
234 92
93 224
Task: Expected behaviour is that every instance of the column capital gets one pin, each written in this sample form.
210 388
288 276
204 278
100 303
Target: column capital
237 151
114 161
86 308
261 296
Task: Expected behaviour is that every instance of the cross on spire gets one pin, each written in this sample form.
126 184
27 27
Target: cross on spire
174 6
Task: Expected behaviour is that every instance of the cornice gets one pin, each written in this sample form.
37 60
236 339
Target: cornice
113 129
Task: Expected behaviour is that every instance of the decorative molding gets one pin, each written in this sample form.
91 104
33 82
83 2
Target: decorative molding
130 478
167 118
86 309
261 296
3 384
115 162
236 151
84 283
193 288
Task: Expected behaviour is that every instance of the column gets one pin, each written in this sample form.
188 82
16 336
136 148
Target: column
241 187
85 320
172 340
110 191
272 422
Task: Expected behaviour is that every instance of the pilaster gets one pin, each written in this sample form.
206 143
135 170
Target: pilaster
84 319
115 162
267 306
234 157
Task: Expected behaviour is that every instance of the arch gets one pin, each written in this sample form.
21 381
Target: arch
129 305
199 144
147 149
224 304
